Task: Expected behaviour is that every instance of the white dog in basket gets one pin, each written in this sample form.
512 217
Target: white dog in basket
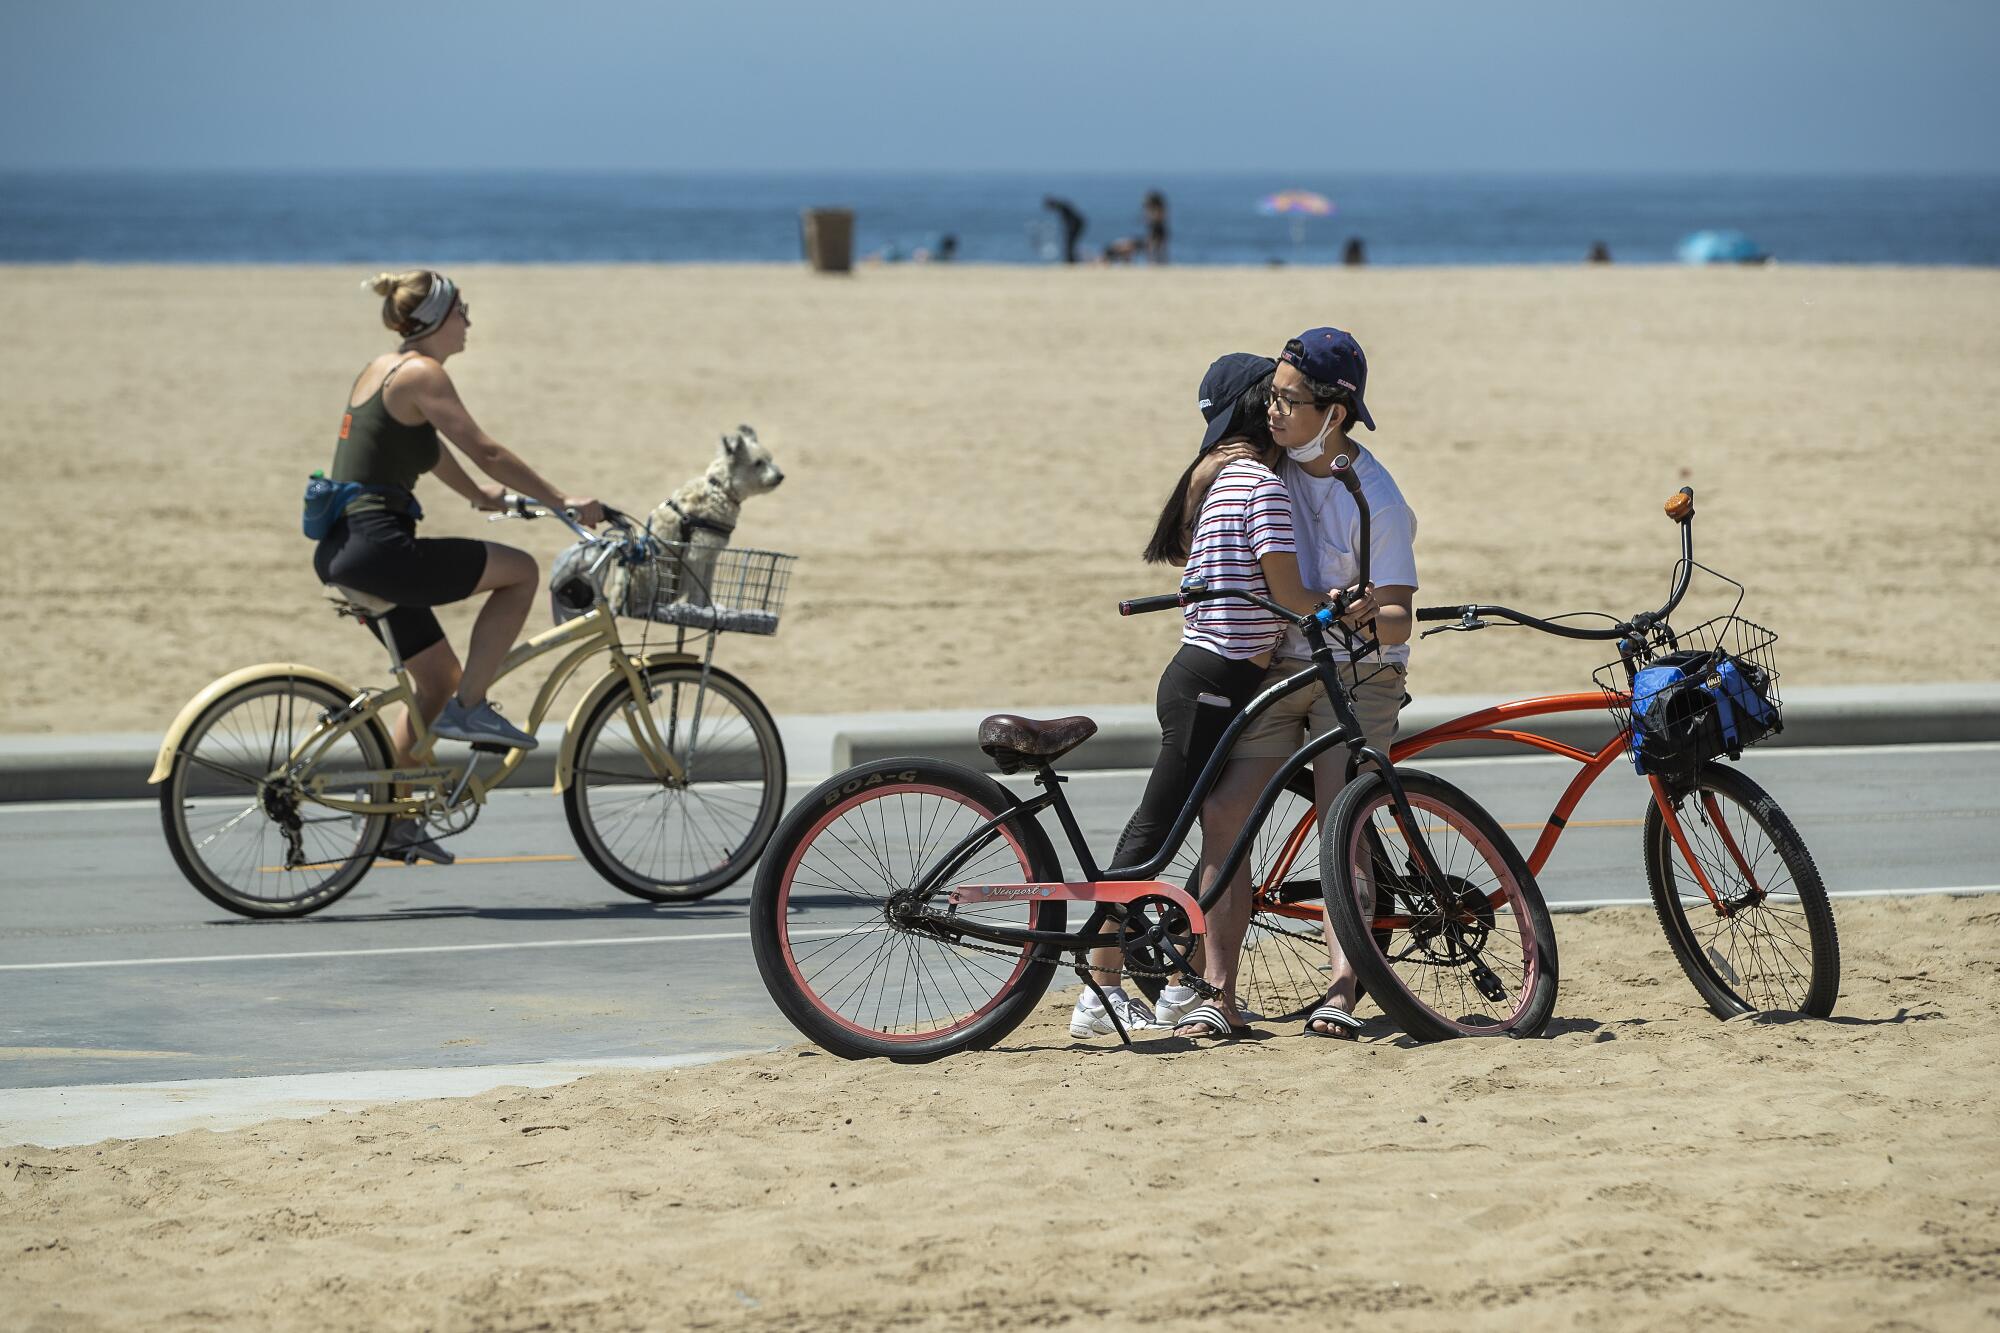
701 515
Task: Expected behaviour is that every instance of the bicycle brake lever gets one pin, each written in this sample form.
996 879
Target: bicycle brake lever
1468 623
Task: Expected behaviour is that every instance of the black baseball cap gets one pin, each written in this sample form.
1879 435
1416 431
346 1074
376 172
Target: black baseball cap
1331 356
1227 379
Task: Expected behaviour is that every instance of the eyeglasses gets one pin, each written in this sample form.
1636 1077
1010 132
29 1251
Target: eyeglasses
1283 405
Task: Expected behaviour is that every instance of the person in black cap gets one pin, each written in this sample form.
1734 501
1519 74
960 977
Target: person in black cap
1239 537
1316 397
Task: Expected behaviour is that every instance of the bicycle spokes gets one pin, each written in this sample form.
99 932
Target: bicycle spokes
1736 894
875 954
1454 941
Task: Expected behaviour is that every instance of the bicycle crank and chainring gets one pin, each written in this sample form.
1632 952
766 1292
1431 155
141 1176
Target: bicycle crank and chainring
1155 937
1453 936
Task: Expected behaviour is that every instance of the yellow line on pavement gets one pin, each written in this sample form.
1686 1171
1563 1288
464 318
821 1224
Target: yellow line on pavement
84 1053
463 861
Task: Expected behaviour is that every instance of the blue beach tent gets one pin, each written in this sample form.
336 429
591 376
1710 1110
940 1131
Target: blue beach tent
1720 247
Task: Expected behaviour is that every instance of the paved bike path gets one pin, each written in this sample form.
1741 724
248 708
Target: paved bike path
113 971
114 766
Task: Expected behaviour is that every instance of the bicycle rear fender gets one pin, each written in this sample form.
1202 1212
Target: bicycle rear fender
170 746
609 681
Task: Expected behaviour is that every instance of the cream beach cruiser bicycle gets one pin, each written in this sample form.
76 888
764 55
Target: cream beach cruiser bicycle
278 782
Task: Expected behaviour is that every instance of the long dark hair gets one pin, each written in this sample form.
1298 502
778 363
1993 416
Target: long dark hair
1169 543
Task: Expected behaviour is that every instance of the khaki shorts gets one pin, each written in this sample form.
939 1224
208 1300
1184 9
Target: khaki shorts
1375 688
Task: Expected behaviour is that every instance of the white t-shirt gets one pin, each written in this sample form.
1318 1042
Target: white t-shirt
1327 527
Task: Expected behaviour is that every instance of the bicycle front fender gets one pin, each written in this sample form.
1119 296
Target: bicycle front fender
609 681
195 707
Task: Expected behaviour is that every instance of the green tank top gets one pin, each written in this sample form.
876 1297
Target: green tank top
378 450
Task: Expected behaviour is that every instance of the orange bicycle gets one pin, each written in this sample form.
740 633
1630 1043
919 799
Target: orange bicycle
1735 888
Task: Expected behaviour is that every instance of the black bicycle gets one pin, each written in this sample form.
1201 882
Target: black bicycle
911 908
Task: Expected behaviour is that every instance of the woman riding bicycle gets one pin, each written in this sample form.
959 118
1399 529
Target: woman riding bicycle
388 438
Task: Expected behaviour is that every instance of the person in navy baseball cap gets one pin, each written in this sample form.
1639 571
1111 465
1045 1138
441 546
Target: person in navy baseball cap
1232 400
1333 364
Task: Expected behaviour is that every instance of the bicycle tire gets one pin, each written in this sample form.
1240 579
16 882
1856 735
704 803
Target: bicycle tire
721 827
860 837
239 850
1754 941
1451 968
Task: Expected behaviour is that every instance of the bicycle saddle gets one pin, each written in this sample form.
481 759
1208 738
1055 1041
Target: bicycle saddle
1014 743
350 601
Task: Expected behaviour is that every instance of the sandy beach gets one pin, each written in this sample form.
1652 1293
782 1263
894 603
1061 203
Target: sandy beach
1643 1166
975 455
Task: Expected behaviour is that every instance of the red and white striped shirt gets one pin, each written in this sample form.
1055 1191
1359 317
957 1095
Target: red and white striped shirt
1247 516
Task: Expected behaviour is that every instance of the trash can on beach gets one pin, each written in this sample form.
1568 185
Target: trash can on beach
828 234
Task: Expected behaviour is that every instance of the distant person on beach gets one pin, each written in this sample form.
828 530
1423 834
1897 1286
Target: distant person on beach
389 436
1122 250
1072 224
1600 253
943 252
1156 227
1316 397
1236 533
1353 252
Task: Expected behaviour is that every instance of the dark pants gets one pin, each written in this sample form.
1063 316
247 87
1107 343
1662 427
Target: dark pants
1189 730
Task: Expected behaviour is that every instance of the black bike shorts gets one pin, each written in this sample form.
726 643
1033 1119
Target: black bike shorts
379 553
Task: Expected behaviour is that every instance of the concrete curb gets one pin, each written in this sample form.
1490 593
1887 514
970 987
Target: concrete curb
1129 737
111 767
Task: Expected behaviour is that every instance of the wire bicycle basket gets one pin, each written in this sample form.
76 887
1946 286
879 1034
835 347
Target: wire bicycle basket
1685 697
711 588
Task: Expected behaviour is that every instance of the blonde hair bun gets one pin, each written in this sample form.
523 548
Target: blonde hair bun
401 294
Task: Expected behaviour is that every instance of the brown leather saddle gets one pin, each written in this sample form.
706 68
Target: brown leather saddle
1014 743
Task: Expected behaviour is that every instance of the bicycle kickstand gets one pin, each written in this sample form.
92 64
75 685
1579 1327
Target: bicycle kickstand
1089 975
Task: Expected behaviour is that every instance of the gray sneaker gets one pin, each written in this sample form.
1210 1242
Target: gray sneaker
480 725
407 840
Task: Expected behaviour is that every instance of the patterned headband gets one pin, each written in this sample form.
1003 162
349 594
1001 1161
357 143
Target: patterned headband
434 309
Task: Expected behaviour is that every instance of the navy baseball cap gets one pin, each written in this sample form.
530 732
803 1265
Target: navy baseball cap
1331 356
1227 379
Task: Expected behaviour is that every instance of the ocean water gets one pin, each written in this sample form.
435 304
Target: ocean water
388 220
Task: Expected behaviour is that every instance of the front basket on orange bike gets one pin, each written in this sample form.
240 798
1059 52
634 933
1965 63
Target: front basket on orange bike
1686 697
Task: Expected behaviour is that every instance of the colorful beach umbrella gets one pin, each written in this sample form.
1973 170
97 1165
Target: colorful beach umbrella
1302 202
1300 205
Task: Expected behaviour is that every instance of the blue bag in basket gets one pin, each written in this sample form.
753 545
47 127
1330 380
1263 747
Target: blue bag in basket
1690 707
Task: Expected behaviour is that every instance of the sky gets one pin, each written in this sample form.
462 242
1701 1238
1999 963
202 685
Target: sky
1795 86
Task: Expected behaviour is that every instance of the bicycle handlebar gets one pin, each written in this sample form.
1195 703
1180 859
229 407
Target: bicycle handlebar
1139 606
527 507
1472 615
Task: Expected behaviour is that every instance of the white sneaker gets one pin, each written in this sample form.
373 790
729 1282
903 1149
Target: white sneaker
1089 1018
1177 1002
1174 1004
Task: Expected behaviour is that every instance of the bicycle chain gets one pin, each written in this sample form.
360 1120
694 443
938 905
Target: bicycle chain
1127 968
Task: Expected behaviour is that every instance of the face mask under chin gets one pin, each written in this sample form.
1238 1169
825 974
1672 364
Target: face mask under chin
1306 453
